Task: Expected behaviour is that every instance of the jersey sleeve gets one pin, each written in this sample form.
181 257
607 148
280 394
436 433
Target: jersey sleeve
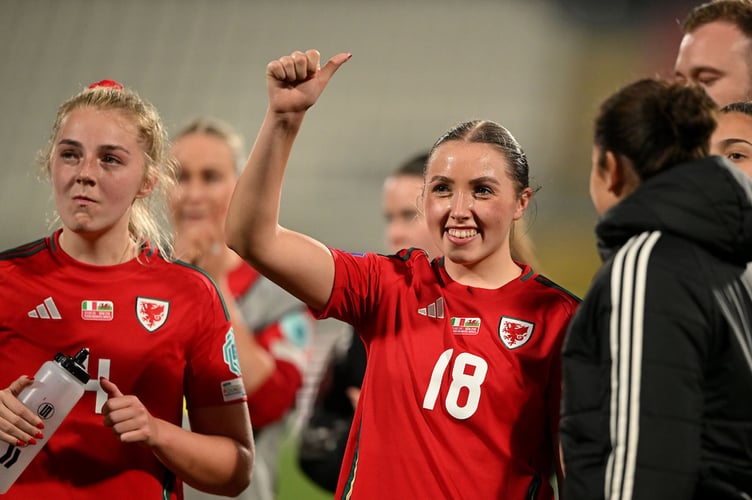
212 375
356 287
632 402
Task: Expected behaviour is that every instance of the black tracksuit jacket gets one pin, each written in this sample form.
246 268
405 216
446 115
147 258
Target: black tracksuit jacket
657 363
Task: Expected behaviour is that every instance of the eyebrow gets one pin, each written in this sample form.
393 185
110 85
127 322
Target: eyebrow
733 140
479 180
106 147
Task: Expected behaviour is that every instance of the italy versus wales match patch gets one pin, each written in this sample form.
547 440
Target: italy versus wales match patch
233 390
97 310
465 326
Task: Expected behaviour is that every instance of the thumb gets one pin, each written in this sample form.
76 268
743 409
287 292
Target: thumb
333 64
110 388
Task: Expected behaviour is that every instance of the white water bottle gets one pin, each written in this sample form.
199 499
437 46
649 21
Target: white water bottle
57 387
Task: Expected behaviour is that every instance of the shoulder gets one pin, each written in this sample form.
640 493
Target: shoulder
29 257
24 251
183 274
552 294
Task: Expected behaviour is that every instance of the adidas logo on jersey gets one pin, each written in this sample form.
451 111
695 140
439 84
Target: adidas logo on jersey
434 310
45 310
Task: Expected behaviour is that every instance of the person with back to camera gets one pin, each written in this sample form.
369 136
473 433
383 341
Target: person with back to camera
657 362
272 328
461 392
157 331
716 50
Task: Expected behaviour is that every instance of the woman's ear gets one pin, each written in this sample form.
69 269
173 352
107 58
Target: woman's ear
523 201
147 187
621 178
613 173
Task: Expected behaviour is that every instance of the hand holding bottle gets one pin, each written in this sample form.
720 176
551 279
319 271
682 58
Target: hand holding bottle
18 424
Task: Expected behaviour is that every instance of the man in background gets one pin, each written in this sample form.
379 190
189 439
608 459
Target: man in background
716 50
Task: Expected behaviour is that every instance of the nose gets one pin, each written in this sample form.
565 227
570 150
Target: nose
86 172
460 206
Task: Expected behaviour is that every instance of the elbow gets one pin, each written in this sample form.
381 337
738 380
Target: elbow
241 479
234 238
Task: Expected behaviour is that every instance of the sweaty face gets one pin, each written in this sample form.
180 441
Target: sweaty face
405 226
717 56
206 178
97 170
733 140
470 203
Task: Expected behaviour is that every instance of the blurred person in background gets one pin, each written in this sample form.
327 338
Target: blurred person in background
272 328
657 363
716 50
157 330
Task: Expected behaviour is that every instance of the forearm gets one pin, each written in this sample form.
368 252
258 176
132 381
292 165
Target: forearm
252 219
211 463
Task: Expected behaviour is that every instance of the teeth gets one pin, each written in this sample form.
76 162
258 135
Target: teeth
462 233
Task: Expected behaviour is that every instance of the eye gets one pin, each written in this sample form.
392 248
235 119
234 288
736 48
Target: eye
212 176
708 81
111 159
440 187
736 156
483 191
69 155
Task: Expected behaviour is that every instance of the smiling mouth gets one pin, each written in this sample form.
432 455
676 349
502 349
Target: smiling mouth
462 233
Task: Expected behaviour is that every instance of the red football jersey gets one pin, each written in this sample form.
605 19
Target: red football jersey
157 329
462 386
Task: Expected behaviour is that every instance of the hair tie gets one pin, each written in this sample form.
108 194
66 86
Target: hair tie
106 83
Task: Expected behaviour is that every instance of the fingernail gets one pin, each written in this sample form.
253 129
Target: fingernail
20 443
40 425
32 441
40 435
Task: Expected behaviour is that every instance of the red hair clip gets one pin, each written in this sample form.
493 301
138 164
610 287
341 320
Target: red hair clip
106 83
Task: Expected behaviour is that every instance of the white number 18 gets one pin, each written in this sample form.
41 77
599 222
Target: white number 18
460 379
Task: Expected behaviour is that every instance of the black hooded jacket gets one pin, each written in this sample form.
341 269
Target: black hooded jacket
657 363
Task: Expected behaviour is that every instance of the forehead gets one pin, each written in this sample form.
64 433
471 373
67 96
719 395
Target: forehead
713 44
467 159
199 150
402 189
91 126
734 124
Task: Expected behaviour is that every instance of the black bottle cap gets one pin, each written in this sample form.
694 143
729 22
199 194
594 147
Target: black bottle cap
74 365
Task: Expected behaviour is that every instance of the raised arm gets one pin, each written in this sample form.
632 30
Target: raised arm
298 263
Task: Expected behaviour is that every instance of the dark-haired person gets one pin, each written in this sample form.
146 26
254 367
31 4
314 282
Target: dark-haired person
462 387
716 50
157 330
658 359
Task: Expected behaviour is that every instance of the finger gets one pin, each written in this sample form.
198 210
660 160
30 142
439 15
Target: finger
333 64
110 388
276 70
288 67
301 65
314 61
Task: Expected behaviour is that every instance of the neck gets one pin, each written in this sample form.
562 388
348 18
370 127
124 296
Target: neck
100 250
485 274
